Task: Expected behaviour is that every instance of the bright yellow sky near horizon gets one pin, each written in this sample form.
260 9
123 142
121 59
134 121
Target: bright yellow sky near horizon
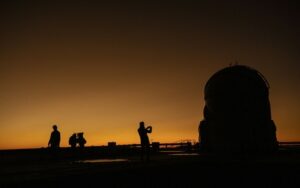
101 68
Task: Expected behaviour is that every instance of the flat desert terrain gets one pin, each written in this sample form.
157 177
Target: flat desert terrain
100 167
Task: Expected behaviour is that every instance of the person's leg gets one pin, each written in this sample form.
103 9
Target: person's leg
148 151
142 151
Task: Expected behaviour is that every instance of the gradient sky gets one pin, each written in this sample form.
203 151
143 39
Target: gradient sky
102 67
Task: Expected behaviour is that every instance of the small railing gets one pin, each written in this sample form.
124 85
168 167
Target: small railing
289 144
156 146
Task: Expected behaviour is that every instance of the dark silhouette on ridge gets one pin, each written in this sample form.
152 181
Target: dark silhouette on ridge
73 141
145 143
237 114
54 140
80 140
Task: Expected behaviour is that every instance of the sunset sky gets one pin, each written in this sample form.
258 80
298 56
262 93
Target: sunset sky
102 67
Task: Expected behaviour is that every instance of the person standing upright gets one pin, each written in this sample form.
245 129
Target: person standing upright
54 140
145 143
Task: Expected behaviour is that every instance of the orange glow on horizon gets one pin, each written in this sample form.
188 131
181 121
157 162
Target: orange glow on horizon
101 68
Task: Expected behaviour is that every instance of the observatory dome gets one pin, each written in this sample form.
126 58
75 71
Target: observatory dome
237 114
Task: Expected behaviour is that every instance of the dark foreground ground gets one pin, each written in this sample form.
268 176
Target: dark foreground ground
42 168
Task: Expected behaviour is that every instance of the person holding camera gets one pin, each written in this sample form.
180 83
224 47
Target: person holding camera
145 143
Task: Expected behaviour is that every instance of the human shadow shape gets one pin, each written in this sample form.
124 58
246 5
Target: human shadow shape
145 143
54 140
77 139
81 140
237 113
73 140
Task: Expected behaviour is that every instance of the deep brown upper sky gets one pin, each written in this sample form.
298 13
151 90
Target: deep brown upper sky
101 67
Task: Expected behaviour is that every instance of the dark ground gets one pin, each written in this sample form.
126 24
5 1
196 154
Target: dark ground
42 168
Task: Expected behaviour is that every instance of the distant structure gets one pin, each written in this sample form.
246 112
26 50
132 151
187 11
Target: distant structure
237 114
112 144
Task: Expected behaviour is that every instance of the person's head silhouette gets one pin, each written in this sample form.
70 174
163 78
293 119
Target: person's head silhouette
142 124
54 127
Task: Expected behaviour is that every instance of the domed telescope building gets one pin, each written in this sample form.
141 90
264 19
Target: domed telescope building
237 114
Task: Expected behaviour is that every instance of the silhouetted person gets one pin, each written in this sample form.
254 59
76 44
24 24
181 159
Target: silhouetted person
54 138
145 144
73 141
80 140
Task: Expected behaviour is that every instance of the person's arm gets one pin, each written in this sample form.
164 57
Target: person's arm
49 142
149 129
59 137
